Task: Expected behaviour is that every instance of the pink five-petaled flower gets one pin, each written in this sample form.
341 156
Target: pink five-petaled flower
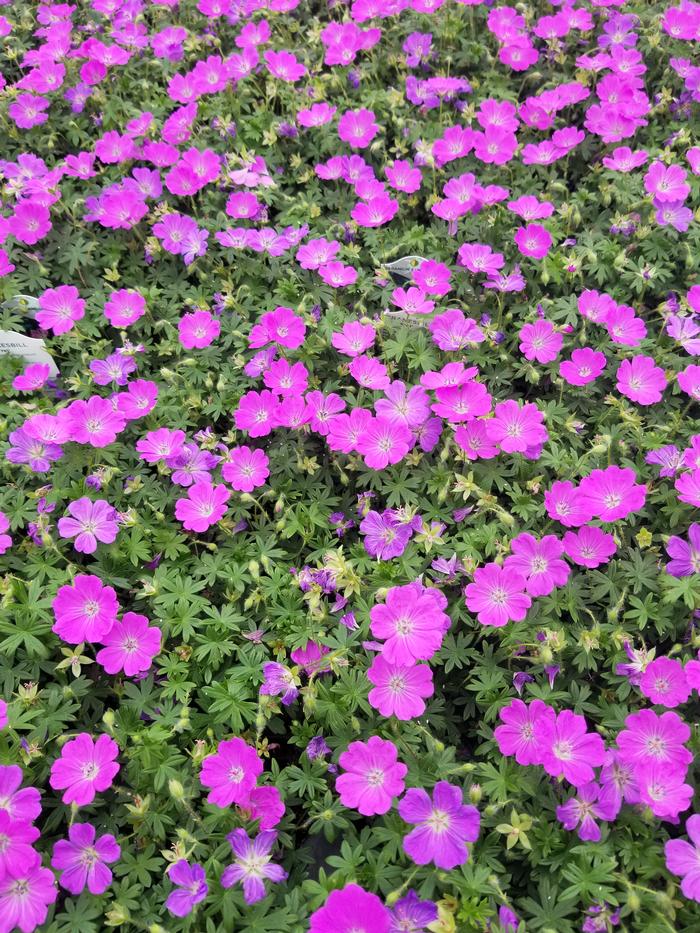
21 804
81 858
60 308
89 522
32 378
584 366
372 776
351 910
539 341
515 428
354 338
26 890
16 839
129 646
256 413
280 326
517 734
5 539
497 595
412 621
384 442
564 503
252 864
84 610
683 859
641 380
540 562
246 468
198 329
124 307
685 554
533 240
649 739
568 750
191 887
399 689
204 506
444 825
95 422
664 792
583 809
357 128
590 547
85 767
612 493
231 772
664 682
666 182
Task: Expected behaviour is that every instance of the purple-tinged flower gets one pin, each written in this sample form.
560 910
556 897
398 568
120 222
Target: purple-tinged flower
683 858
16 838
252 865
26 890
279 681
81 859
444 826
583 809
191 887
19 804
384 536
685 554
412 915
668 457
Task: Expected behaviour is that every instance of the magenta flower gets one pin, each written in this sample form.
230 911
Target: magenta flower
539 562
198 329
624 327
94 422
19 804
641 380
683 859
473 439
204 506
246 468
568 750
130 645
5 539
60 308
462 403
403 404
265 805
84 610
618 782
85 767
191 887
357 128
453 331
252 865
665 683
81 859
337 274
33 377
584 366
281 326
664 792
230 773
16 838
256 413
612 493
583 810
685 554
515 428
161 444
399 689
590 547
284 65
687 485
26 890
517 734
28 110
666 182
375 212
564 503
384 442
139 399
533 240
689 381
286 379
372 776
351 909
124 307
89 522
444 826
411 621
649 739
369 372
30 222
497 595
345 431
623 159
539 341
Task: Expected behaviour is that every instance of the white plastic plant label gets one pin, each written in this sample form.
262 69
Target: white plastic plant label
30 349
404 268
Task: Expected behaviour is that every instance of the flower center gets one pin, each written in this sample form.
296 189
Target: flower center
375 777
439 821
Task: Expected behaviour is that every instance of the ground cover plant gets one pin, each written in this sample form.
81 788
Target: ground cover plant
349 564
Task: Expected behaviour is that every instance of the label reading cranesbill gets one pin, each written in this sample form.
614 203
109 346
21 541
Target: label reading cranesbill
405 267
30 349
